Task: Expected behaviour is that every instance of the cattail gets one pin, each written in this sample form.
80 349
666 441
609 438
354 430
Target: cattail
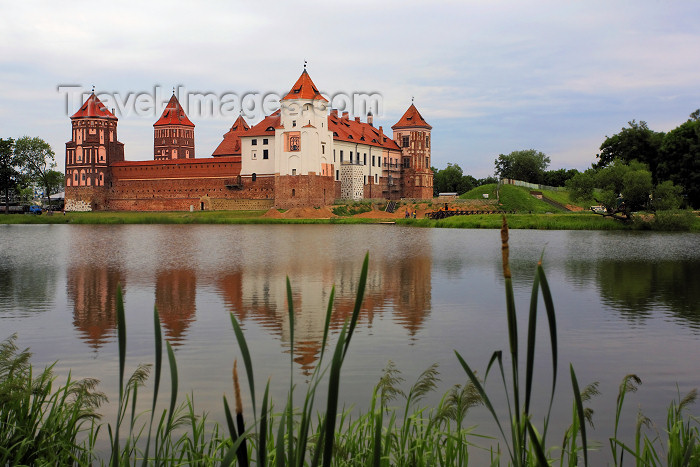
504 248
242 452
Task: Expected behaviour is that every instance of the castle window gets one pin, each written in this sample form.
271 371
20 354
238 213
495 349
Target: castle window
376 178
334 155
404 142
264 140
373 160
341 155
254 142
255 176
294 123
365 160
254 155
265 154
427 141
294 171
294 192
426 163
323 148
351 157
293 141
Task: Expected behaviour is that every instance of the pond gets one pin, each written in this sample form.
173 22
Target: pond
626 302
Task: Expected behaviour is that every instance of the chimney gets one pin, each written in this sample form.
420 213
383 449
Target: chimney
346 115
357 119
334 113
370 118
381 134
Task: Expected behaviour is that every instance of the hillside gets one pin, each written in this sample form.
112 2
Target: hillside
512 198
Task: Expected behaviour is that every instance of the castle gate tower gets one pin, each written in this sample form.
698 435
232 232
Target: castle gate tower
173 133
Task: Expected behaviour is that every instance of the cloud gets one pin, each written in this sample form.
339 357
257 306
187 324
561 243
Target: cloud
490 76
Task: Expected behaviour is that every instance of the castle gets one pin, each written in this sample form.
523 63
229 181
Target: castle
301 155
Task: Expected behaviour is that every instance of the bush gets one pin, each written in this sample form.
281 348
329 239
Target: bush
674 220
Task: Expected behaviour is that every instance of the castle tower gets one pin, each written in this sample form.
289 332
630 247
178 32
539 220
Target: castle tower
93 146
173 133
231 145
412 134
303 140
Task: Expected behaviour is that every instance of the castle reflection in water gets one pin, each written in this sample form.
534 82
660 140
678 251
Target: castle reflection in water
400 287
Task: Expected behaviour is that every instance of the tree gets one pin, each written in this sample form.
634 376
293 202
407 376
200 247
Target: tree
36 158
581 185
452 180
667 196
680 159
636 187
621 182
54 181
486 181
558 177
528 165
636 142
9 175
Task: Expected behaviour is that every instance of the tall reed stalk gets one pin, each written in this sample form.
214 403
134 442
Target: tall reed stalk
526 446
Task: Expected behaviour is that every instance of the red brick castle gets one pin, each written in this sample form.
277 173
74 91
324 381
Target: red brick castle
304 154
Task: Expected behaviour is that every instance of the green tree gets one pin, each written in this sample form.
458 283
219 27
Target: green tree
558 177
9 175
452 180
667 196
486 181
581 185
636 187
621 181
36 158
528 165
636 142
680 158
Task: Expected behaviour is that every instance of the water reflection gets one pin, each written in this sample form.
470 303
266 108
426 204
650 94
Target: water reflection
402 286
92 289
176 301
635 289
26 289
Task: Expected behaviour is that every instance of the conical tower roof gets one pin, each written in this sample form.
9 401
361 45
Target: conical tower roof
411 119
304 88
94 108
231 145
174 114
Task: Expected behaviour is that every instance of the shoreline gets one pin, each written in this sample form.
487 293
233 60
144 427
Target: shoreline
568 221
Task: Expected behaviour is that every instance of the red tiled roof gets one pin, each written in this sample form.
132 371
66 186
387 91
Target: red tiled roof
173 115
304 88
261 129
358 132
201 160
231 145
93 107
411 119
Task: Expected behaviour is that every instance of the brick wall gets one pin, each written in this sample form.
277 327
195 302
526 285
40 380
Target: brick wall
311 190
86 198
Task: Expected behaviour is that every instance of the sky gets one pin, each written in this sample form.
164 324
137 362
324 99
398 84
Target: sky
490 76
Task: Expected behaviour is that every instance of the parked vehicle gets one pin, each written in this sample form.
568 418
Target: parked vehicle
35 210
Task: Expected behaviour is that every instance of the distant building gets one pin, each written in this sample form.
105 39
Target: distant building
301 155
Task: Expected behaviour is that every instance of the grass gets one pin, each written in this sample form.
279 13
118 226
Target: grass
40 424
510 198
